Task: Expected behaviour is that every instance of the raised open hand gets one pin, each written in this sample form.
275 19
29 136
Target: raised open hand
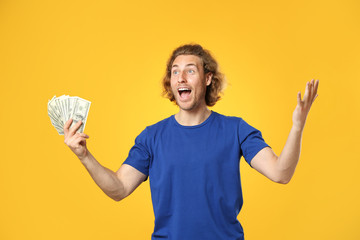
303 106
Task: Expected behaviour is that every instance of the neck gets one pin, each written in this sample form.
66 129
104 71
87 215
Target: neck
192 118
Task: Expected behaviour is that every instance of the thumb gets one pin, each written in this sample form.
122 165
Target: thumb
299 98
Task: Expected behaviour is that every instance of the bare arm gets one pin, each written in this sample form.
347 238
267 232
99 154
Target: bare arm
117 185
281 169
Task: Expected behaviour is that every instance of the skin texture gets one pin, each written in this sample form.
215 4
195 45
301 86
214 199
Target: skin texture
187 71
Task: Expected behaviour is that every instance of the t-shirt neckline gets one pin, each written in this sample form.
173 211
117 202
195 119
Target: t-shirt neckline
211 116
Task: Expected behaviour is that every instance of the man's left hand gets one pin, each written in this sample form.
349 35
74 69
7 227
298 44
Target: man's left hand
303 106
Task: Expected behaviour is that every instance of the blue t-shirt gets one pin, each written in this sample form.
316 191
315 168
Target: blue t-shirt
194 175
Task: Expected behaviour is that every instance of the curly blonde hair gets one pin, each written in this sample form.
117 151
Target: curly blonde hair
218 82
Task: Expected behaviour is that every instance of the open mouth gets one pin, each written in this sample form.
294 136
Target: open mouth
184 92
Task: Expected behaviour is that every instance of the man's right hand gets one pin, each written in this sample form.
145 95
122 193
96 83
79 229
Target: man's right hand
75 141
116 185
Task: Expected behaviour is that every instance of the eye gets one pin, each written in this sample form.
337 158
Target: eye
191 71
175 72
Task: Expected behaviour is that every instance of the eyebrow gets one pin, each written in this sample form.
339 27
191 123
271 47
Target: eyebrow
187 65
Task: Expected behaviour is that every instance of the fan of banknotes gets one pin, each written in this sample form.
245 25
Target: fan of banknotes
61 109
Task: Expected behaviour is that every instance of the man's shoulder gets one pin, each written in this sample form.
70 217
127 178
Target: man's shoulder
159 125
154 129
228 118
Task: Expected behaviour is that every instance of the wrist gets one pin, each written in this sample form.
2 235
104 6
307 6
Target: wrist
297 129
86 157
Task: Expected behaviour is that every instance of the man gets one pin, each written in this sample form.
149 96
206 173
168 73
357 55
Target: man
192 157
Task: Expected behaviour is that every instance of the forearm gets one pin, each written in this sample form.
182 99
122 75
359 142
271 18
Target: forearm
289 157
104 178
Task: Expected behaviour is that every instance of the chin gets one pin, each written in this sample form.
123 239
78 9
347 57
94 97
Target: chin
187 106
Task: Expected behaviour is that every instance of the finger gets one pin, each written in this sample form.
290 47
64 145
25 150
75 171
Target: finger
299 98
306 94
75 139
316 87
84 135
79 140
314 90
315 97
78 134
309 97
313 86
75 127
67 125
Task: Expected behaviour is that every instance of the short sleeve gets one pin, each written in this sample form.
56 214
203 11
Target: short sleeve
251 141
139 155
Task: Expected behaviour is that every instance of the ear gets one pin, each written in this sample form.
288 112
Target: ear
208 76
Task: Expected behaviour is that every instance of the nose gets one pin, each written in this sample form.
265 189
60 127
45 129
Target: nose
182 77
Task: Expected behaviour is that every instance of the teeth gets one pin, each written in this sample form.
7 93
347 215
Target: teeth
183 89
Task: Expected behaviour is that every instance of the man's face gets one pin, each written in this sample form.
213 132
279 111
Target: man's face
189 82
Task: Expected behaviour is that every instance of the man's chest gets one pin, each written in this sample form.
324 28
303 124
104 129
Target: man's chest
182 151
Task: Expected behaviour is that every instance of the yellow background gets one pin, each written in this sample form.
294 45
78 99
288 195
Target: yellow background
114 53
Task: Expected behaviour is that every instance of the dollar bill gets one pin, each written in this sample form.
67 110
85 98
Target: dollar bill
80 112
61 109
